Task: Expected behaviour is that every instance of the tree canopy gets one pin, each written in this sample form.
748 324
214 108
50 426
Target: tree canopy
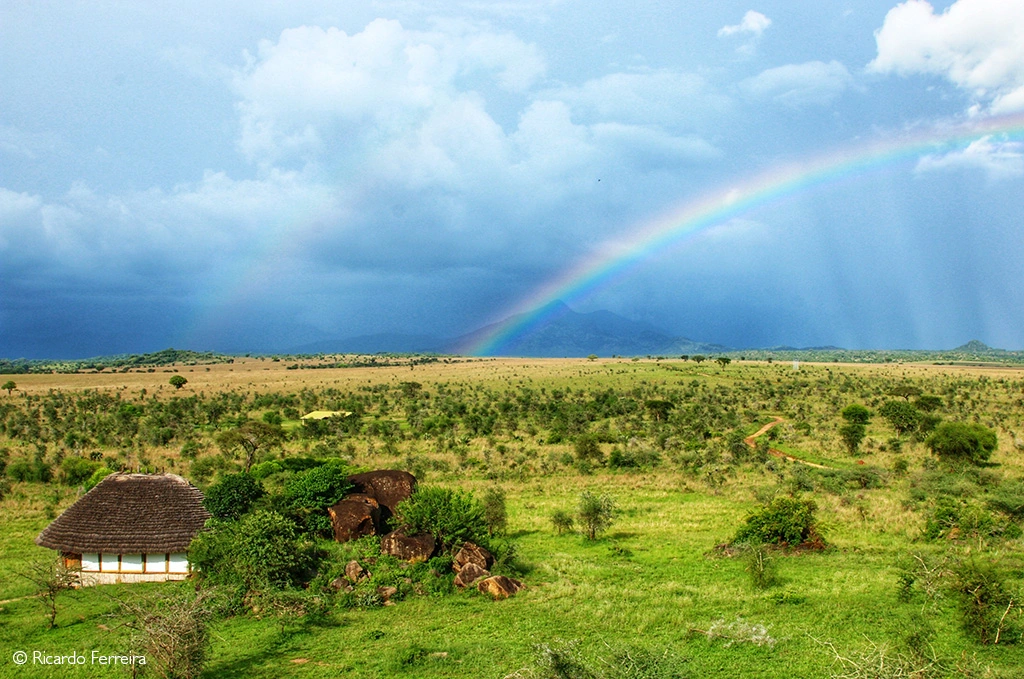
962 442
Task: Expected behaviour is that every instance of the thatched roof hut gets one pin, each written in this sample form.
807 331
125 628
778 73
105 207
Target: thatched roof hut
130 524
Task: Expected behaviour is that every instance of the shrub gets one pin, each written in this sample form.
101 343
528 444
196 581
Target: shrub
77 470
262 550
587 448
761 566
852 433
856 414
264 469
951 518
562 521
451 516
983 599
171 632
495 513
784 520
310 494
596 513
961 442
97 476
31 471
641 457
232 496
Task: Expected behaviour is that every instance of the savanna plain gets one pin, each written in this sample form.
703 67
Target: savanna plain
661 528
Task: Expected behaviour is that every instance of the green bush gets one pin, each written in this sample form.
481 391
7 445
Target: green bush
562 521
451 516
596 513
311 492
264 469
952 518
587 448
962 443
983 597
783 520
495 512
262 550
761 566
97 476
856 414
852 433
232 496
29 471
76 470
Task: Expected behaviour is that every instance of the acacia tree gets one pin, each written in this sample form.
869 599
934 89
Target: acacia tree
250 438
659 408
852 433
596 513
177 381
902 415
52 579
10 386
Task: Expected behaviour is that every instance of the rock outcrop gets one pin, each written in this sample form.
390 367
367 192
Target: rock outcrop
412 548
472 554
499 586
469 574
354 516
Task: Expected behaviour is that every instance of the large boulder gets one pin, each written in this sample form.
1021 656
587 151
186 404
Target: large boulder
413 548
500 587
472 554
469 574
387 486
354 516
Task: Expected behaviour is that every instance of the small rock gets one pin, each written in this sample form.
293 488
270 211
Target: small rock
338 584
469 574
471 553
386 593
354 572
500 587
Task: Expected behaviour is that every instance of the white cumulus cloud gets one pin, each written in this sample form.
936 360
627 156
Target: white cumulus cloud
315 88
811 83
978 45
998 159
753 23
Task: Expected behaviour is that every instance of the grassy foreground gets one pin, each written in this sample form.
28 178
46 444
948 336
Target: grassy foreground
653 582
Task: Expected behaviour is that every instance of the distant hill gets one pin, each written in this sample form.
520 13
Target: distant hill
564 333
977 347
115 362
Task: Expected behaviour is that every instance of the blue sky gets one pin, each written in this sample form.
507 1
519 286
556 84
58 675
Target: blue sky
256 176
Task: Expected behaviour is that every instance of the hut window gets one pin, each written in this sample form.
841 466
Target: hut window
90 562
156 563
131 563
109 563
178 563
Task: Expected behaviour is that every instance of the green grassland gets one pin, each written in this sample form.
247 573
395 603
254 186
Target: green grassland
655 581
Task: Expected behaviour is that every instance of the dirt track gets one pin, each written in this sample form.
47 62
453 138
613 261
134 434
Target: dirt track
752 442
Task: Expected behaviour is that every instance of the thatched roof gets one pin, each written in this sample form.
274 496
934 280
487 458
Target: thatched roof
325 414
130 514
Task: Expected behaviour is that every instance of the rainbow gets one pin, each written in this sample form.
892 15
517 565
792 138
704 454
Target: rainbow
612 262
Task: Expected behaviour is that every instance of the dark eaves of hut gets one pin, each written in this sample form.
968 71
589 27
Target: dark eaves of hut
130 514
